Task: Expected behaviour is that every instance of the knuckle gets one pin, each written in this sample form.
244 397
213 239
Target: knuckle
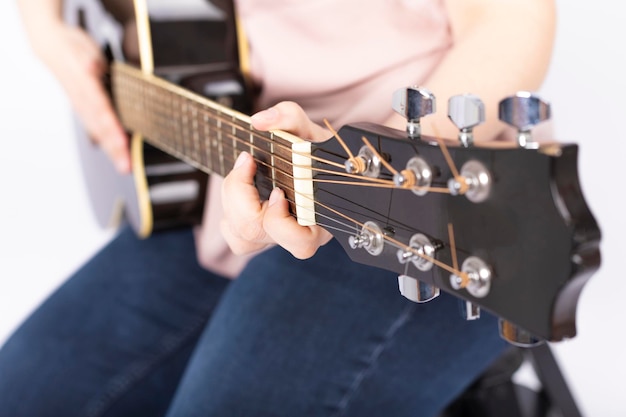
236 245
251 232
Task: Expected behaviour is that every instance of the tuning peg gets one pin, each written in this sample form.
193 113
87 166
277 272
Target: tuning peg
477 180
420 252
370 238
517 336
523 111
416 290
366 163
479 276
466 111
469 310
413 103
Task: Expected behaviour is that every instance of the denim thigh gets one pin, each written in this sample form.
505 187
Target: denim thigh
114 339
328 337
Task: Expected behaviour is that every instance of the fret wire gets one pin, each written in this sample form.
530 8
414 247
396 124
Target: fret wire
178 122
267 136
285 183
155 112
207 139
250 139
285 162
182 123
180 137
193 122
167 136
203 141
169 87
279 159
215 154
191 128
199 143
273 161
243 134
215 142
194 132
233 136
167 124
155 121
176 119
170 117
279 173
220 145
180 128
233 124
170 125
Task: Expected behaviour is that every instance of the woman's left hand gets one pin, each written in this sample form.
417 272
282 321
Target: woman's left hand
249 224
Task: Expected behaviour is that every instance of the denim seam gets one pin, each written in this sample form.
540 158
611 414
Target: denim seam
402 319
121 383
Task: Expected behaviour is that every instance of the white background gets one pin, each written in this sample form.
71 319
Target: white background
46 228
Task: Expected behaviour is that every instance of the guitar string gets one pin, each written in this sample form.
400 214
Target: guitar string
391 240
251 146
246 143
365 181
455 263
195 111
248 130
396 243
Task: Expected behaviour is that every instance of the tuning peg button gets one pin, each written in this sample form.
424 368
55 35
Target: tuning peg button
416 290
370 238
466 111
469 310
523 111
517 336
413 103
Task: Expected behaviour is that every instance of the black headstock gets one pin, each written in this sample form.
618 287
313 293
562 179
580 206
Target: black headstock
504 227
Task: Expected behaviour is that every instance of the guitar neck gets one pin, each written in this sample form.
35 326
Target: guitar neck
210 136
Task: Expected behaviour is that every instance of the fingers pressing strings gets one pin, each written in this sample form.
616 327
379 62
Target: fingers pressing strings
264 148
331 219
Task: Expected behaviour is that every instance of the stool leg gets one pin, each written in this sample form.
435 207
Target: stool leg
552 380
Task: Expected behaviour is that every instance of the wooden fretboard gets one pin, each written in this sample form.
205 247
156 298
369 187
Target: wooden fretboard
210 136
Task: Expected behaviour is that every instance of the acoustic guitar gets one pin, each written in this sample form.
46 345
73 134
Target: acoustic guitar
504 228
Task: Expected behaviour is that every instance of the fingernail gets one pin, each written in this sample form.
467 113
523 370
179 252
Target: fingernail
265 116
240 159
275 196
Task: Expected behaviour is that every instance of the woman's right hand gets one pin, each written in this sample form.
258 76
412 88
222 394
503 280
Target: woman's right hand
78 63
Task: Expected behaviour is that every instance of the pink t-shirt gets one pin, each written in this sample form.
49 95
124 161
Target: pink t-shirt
340 60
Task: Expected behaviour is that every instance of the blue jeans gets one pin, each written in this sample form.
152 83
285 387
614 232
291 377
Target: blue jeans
142 330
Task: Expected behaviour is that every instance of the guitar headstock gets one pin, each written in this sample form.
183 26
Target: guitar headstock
505 228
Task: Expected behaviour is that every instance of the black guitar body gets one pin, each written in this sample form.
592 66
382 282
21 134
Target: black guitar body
196 49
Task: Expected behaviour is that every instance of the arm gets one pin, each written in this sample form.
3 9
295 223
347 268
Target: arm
499 47
77 63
